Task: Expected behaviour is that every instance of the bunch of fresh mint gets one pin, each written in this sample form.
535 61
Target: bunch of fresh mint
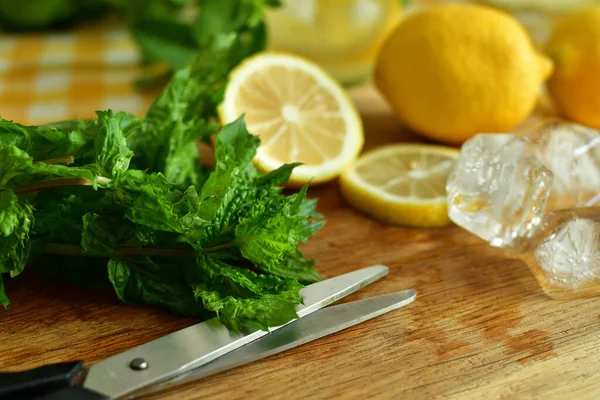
125 201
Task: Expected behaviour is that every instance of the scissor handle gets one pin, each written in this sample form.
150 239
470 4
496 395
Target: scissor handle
49 382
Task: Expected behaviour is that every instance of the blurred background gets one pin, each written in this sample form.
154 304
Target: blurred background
65 58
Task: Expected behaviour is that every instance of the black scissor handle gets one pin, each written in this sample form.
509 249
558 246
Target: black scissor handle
49 382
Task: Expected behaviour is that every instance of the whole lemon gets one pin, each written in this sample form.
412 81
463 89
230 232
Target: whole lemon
574 46
455 70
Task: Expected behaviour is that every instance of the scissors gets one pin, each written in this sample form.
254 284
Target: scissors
206 348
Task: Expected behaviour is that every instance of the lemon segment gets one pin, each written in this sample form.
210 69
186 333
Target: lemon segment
300 113
401 184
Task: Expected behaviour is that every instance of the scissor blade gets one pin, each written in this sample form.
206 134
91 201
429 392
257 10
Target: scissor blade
317 325
192 347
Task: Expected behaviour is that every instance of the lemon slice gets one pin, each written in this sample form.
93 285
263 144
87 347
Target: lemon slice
401 184
300 113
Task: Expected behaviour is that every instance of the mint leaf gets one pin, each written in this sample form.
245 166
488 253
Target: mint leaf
272 229
165 40
278 176
66 138
154 202
60 211
222 34
18 169
166 141
219 22
231 24
234 150
49 141
119 275
102 233
16 221
112 154
242 298
141 281
13 162
294 265
235 147
15 134
309 220
265 242
238 313
72 138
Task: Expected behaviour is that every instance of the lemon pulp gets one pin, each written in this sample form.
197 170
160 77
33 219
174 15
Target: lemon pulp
402 184
300 113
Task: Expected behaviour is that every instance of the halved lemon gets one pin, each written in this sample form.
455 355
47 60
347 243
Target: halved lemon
401 184
300 113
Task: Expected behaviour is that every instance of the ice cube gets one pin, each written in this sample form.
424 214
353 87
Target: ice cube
498 189
572 153
564 255
570 256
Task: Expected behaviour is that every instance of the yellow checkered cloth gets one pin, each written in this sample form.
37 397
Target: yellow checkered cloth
56 76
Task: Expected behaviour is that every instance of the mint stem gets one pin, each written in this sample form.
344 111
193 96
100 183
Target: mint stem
54 183
58 160
219 247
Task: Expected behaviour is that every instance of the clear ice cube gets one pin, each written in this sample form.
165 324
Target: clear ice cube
572 153
498 188
565 254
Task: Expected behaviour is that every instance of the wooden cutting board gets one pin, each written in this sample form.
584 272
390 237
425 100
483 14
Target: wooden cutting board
481 327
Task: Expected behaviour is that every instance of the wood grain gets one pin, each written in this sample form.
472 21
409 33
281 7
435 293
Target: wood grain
481 327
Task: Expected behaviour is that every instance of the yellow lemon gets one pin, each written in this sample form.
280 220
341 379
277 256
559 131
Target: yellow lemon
300 113
574 46
452 71
401 184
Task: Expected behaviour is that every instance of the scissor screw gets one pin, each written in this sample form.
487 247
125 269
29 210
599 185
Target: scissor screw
138 364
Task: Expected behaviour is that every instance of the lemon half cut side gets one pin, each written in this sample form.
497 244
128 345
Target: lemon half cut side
300 113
